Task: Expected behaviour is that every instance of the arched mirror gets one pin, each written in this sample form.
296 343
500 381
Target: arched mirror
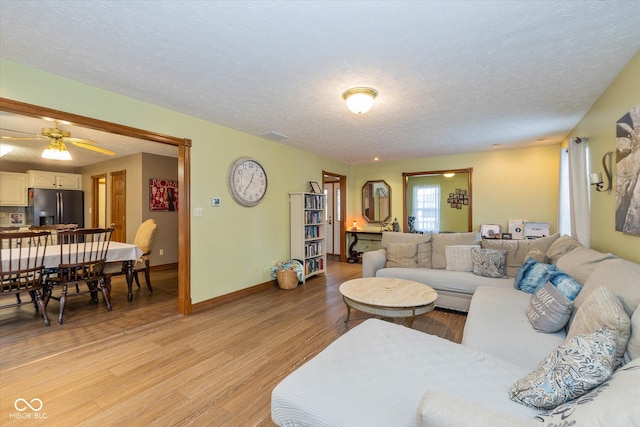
438 201
376 201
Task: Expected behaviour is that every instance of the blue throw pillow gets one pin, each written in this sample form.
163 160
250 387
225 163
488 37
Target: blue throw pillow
567 285
533 275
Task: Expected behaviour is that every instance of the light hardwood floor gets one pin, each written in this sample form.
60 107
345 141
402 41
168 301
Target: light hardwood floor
144 364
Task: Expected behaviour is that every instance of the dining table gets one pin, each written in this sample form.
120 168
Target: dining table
126 253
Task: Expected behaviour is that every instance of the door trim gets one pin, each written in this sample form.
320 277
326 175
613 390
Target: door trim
343 210
184 178
95 201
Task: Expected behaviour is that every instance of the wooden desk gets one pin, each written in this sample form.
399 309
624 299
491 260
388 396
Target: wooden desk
354 256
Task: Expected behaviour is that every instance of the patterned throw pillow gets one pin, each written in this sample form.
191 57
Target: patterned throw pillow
572 369
603 310
533 275
488 262
459 257
613 403
549 310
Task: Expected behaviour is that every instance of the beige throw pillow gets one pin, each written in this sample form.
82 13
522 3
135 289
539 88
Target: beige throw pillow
459 257
440 241
402 255
603 310
580 262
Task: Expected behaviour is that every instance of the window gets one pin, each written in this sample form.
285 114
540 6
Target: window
426 208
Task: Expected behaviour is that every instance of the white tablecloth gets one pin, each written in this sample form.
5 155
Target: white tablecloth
117 252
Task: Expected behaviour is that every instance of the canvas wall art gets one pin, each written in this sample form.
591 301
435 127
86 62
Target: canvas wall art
628 172
163 195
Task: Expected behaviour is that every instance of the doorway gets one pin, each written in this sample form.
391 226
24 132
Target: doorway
184 178
99 201
335 187
119 206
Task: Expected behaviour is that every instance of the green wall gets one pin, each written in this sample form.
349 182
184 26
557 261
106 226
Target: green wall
599 125
233 247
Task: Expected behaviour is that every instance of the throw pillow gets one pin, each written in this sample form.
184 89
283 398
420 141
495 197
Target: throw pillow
549 310
565 284
613 403
488 262
572 369
441 240
402 255
603 310
459 257
533 275
633 346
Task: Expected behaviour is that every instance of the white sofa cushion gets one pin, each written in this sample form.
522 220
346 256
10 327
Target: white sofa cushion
517 250
423 241
497 324
446 280
377 373
580 262
402 255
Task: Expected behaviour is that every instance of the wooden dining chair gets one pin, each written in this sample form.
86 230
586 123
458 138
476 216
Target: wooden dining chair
9 228
54 229
22 268
83 254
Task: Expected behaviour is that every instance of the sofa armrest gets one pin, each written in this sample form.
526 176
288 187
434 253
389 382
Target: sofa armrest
373 261
443 410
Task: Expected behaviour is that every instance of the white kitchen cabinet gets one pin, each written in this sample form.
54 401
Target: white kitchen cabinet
58 180
13 189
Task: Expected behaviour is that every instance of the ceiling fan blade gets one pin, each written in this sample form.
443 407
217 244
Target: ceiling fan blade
32 138
86 143
20 131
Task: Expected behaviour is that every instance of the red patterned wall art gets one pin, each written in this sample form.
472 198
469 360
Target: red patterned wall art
163 195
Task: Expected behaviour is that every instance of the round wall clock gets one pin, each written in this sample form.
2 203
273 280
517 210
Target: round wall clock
247 181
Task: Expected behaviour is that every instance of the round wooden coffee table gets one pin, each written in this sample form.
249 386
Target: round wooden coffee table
388 297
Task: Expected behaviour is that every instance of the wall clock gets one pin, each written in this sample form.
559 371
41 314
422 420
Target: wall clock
247 181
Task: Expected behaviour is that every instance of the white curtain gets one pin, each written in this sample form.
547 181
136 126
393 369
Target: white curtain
579 190
564 195
426 208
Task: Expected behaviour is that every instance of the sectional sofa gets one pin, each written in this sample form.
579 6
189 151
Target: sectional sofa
505 372
423 258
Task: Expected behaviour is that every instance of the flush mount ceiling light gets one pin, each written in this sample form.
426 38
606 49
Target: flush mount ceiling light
56 150
360 99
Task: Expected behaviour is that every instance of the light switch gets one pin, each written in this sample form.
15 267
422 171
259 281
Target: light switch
197 211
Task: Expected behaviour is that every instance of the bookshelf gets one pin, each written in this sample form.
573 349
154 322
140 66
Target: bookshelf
308 231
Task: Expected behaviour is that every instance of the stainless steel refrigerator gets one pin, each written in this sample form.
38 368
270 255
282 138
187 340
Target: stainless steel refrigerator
55 207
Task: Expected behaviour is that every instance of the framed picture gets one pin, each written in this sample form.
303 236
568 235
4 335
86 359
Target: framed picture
315 187
163 195
17 219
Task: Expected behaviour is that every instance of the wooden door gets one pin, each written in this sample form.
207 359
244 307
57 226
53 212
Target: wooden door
119 206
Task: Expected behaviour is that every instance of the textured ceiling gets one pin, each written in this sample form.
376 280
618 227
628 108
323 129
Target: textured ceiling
452 76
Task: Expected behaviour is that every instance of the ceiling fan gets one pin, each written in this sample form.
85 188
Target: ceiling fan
57 150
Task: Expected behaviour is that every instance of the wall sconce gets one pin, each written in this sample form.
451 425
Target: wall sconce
596 178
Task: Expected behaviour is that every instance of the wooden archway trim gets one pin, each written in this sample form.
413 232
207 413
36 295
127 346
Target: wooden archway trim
184 177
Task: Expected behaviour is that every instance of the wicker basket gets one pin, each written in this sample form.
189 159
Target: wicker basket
287 279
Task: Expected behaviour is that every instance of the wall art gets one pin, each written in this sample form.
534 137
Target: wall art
628 172
163 195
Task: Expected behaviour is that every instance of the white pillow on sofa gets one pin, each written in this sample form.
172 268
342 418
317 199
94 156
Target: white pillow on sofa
459 257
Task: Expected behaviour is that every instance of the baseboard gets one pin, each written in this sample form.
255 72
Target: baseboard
170 266
223 299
